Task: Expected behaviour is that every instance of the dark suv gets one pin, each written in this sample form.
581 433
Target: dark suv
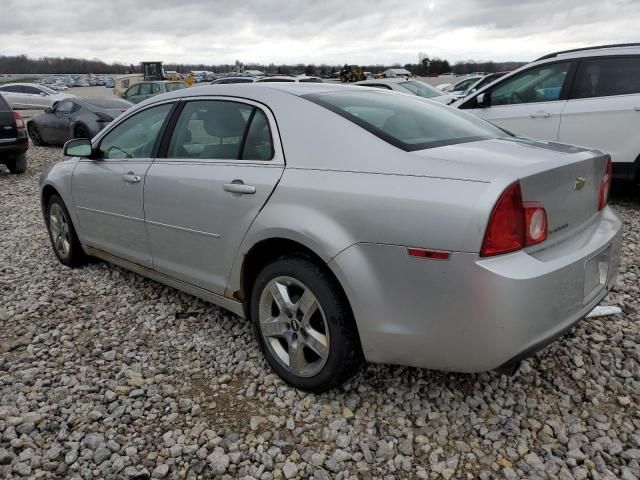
13 139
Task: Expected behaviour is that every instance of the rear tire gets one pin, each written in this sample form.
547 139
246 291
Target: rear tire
62 234
17 164
312 341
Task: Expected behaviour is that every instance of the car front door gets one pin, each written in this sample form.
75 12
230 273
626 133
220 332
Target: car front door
606 92
108 189
221 165
529 103
57 130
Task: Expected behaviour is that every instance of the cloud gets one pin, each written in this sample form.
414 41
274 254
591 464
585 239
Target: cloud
310 31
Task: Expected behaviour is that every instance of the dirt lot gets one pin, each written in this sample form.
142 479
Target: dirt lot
104 374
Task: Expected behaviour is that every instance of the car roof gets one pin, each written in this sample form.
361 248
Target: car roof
382 80
598 50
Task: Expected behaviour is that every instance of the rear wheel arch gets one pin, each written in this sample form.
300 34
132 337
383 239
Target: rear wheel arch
264 252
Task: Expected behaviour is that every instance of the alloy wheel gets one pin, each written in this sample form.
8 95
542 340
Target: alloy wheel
59 230
294 326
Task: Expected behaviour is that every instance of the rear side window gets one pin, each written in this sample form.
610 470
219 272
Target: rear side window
603 77
221 130
407 122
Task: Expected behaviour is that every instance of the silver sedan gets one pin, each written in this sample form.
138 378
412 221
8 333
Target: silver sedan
346 223
31 95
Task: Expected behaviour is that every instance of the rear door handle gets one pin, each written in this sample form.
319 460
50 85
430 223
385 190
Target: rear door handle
540 115
238 186
131 178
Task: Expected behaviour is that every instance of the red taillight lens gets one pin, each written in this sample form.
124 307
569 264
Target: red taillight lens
605 186
513 224
505 232
18 120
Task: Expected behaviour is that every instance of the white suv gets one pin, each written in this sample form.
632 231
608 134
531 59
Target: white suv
588 96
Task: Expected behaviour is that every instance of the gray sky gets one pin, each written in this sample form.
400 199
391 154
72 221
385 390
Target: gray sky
310 31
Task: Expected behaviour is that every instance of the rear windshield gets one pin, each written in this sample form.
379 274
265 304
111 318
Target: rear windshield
310 80
407 122
175 86
108 103
421 89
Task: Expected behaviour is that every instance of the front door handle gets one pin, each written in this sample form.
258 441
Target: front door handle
238 186
130 177
540 115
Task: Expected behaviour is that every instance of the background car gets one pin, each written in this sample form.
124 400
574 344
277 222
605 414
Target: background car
13 139
588 96
459 89
74 118
31 95
286 78
412 87
399 230
143 90
227 80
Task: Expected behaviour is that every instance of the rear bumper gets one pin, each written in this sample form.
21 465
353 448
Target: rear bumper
13 148
472 314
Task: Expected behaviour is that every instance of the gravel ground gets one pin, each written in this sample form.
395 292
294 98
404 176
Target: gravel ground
104 374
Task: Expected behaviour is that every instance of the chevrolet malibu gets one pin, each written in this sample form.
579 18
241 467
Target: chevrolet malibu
347 224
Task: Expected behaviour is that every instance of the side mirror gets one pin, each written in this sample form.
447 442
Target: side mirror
48 110
482 100
78 147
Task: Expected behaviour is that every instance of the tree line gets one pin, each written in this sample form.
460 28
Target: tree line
66 65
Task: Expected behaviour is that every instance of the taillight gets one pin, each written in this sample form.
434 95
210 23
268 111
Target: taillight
513 224
605 186
19 121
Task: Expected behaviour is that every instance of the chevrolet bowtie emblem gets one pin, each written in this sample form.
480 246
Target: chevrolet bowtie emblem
580 182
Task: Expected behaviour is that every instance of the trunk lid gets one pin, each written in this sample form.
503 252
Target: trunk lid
564 178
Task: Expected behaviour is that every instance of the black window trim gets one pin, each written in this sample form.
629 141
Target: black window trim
407 147
167 132
597 57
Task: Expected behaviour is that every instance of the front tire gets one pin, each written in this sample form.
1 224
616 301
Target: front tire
304 324
34 135
17 164
62 234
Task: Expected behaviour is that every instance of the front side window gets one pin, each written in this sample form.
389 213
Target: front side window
136 136
65 107
215 129
538 84
603 77
31 90
407 122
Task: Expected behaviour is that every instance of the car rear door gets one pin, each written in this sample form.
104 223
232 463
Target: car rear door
222 163
606 91
529 103
108 189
